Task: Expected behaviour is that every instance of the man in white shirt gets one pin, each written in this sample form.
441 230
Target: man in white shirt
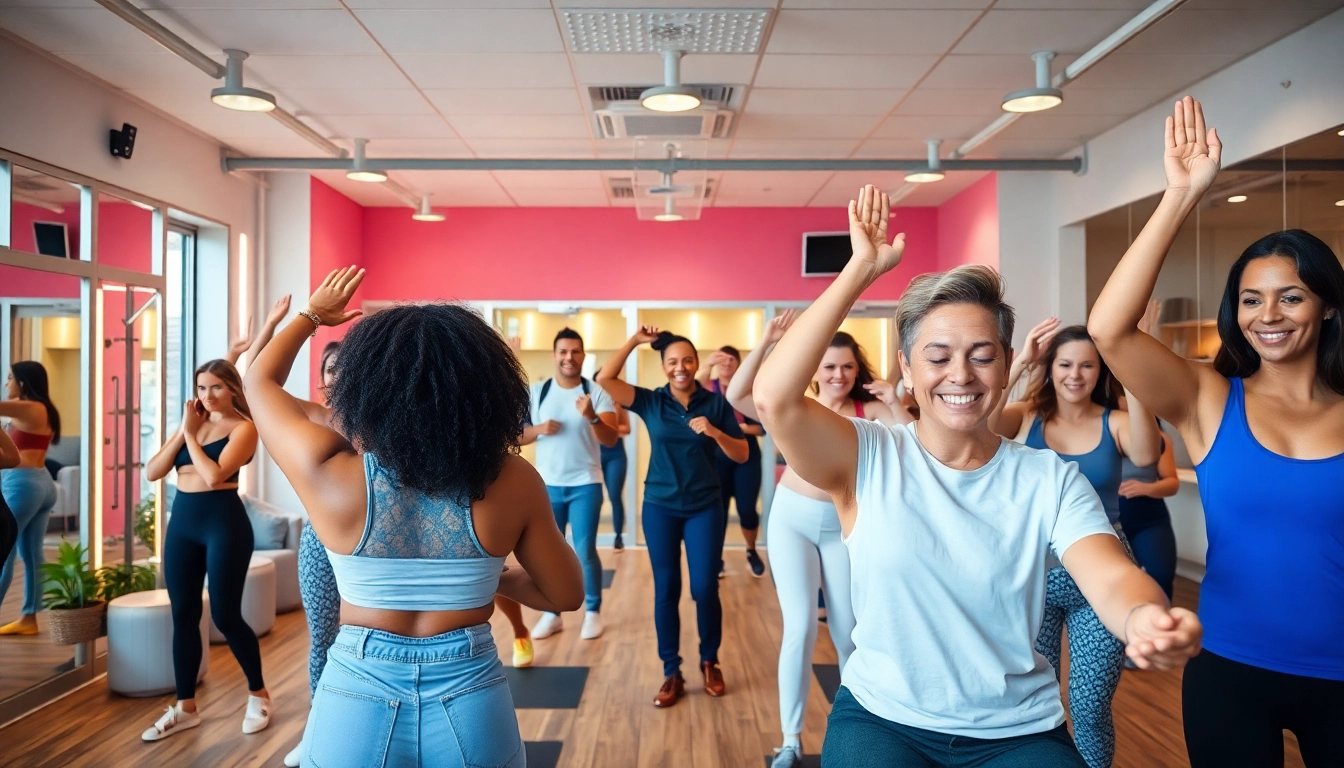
571 419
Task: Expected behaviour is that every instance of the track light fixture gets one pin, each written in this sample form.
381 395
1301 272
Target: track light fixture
359 170
1044 96
934 173
671 96
233 94
426 213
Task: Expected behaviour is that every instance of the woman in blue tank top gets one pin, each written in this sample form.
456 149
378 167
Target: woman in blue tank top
416 530
1265 427
1075 400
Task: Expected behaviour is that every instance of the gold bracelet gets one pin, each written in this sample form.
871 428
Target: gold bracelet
317 322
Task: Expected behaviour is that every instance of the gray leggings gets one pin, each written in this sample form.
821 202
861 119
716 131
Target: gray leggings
321 602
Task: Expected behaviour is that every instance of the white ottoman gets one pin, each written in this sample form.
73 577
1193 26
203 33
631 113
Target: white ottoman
286 578
140 643
258 599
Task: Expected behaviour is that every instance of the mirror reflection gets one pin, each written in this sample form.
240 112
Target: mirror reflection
44 214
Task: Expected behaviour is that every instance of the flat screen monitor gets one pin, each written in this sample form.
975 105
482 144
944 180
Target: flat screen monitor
825 253
51 239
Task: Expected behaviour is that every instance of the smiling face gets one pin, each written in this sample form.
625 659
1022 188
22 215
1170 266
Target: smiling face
213 393
1075 371
837 372
1277 314
680 364
569 358
957 367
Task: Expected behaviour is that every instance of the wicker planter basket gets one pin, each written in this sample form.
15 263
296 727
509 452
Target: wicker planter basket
71 626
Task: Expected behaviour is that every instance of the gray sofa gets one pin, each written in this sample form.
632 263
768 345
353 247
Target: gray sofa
276 534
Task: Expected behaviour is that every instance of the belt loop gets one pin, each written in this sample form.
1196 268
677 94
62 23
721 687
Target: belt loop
359 642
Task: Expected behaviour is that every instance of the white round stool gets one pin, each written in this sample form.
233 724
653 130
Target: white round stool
258 599
140 643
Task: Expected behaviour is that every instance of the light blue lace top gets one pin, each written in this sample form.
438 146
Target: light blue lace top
418 553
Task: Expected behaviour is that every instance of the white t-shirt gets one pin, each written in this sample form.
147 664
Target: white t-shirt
948 581
571 456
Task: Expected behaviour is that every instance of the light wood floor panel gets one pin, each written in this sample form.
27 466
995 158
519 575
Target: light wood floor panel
615 726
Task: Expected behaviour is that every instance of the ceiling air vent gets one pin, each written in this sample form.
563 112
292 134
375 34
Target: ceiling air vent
620 121
623 188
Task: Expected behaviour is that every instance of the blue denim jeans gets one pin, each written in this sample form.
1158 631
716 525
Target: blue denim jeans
580 506
856 738
31 495
614 465
432 702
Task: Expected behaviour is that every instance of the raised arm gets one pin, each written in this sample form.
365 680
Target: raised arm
822 446
1168 384
739 389
1006 420
609 378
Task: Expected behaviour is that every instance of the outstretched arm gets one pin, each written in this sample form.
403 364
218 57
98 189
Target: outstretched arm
822 446
739 389
609 378
1162 380
1006 420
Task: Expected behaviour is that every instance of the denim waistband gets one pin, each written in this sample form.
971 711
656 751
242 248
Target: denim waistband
375 643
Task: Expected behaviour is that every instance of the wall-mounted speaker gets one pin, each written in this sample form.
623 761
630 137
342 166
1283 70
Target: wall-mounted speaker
122 143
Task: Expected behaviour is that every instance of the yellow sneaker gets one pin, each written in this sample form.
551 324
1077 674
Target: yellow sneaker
18 628
522 652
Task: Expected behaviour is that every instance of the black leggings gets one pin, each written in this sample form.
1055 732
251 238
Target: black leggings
743 483
209 533
1235 714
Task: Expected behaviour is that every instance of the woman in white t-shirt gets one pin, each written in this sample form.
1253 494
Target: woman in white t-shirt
949 529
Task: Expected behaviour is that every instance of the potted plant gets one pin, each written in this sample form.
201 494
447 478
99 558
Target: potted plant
122 579
71 596
144 523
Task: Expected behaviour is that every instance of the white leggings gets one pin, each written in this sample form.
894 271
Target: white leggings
806 554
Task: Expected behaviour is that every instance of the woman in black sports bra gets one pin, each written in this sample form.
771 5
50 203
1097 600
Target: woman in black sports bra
209 533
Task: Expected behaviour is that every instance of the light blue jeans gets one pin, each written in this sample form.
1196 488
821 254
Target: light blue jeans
430 702
31 495
580 506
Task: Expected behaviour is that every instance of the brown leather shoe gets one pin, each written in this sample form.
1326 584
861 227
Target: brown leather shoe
674 687
713 678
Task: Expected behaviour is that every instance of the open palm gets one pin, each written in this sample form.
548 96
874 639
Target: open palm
868 218
1193 153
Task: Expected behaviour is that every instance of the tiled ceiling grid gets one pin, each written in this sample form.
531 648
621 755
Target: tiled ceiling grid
499 78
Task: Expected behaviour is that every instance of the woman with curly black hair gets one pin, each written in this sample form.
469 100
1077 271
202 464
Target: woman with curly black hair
418 498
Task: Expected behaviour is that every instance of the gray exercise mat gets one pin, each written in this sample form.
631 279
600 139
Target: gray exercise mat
546 687
828 676
607 576
808 761
545 754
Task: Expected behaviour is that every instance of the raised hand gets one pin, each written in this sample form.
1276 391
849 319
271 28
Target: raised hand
242 343
278 311
868 218
885 391
1193 153
1033 349
774 330
193 416
1157 637
717 358
645 334
328 302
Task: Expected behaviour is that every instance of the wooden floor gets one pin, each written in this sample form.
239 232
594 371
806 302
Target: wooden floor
614 726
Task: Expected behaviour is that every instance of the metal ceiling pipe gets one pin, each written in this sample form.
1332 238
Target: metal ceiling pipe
670 165
1131 29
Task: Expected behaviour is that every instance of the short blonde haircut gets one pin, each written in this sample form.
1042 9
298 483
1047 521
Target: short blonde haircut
969 284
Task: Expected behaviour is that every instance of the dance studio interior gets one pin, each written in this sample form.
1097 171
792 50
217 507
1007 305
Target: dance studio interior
208 206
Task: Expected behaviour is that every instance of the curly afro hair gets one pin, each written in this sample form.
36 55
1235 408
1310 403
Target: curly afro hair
435 393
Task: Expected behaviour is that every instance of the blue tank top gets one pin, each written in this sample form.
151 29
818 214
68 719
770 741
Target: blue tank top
418 553
213 450
1273 590
1101 465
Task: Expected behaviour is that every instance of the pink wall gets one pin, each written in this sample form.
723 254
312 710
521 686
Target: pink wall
730 254
968 226
336 240
125 235
16 282
22 216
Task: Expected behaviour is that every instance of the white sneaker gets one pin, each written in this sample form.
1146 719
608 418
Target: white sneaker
293 759
547 625
258 714
787 757
174 720
592 626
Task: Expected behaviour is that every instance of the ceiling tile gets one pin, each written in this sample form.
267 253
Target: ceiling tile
1163 73
793 148
374 127
624 148
925 127
516 127
465 31
521 101
503 70
245 4
892 148
433 5
302 32
515 180
754 126
878 32
362 192
76 30
143 71
437 147
177 101
1005 73
981 102
531 147
274 146
440 181
1023 32
821 101
1119 102
359 101
226 123
566 198
842 71
1047 126
326 72
1073 5
1218 31
666 4
887 4
643 69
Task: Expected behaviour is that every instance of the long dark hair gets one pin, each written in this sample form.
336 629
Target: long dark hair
31 376
437 396
225 372
666 339
1320 270
1044 400
864 374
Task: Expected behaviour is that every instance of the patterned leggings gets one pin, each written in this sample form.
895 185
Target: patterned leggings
321 602
1095 660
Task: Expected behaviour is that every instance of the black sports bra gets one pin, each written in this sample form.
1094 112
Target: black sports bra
213 450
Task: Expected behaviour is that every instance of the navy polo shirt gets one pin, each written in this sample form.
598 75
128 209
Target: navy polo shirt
682 474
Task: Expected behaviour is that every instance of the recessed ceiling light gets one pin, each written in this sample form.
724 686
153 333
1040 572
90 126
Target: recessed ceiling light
1340 203
671 96
1341 133
233 94
359 171
1044 96
1237 199
669 211
426 213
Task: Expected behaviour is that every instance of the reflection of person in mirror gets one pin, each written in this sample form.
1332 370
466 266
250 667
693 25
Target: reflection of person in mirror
9 527
34 424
